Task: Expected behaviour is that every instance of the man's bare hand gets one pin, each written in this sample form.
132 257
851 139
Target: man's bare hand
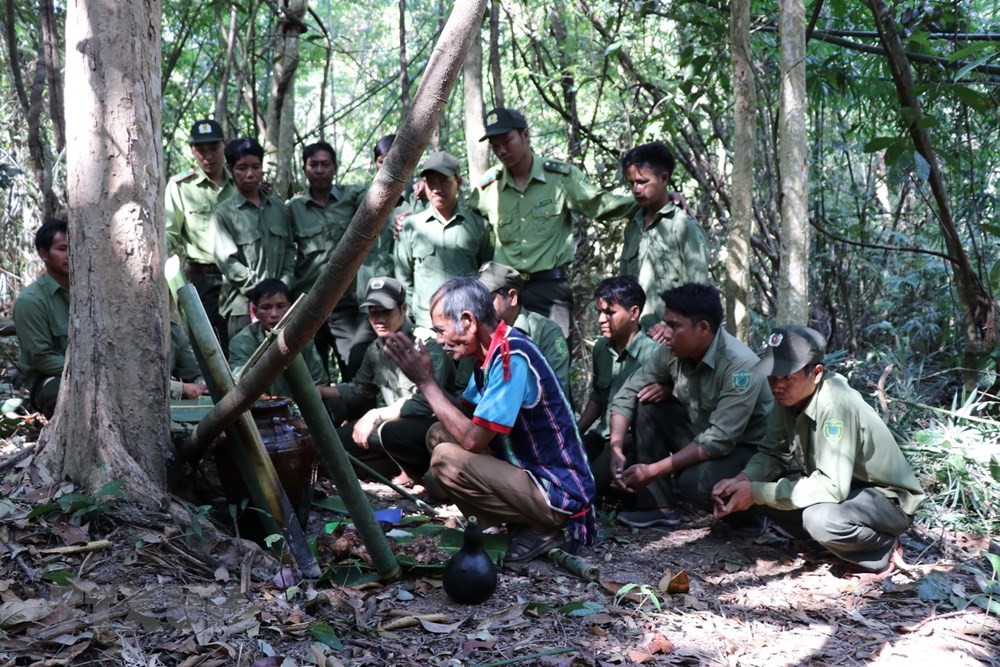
653 393
193 389
617 467
398 223
732 495
638 476
413 359
658 332
363 429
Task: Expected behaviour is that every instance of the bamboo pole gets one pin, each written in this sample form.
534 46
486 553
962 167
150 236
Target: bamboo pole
436 85
254 464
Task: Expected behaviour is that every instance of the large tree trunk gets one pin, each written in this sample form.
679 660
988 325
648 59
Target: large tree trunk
281 108
793 271
737 280
111 422
472 81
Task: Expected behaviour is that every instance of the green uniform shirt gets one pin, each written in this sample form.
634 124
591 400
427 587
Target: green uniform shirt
251 244
611 370
671 252
317 231
245 343
191 197
727 404
534 226
430 251
381 260
550 340
379 378
181 361
840 443
41 316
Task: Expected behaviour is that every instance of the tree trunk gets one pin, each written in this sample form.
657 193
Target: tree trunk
472 82
496 76
793 269
566 80
49 54
404 74
111 422
413 136
737 279
281 108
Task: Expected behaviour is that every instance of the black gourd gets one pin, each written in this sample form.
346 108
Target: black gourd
470 576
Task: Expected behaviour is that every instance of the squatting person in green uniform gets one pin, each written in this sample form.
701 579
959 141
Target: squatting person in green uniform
699 413
253 234
41 316
664 247
855 493
191 196
444 241
530 202
320 216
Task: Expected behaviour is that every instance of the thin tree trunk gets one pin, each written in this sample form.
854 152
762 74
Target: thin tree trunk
221 97
49 54
111 421
472 97
566 81
404 75
429 103
496 75
281 107
793 147
737 279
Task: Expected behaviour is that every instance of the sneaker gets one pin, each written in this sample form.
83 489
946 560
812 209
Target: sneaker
658 516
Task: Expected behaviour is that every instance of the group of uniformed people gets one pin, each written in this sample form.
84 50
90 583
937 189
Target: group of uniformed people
678 408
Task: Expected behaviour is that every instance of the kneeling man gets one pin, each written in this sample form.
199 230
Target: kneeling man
510 452
856 493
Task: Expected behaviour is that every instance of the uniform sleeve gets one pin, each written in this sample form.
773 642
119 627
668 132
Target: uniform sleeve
183 364
36 338
556 351
773 454
227 254
319 375
594 202
655 370
695 252
361 391
173 212
404 257
485 251
288 260
729 419
830 482
241 348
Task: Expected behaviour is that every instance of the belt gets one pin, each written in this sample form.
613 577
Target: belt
196 267
558 273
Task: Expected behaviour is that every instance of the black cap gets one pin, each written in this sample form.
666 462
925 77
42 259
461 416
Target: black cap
501 121
790 349
442 163
384 292
205 131
497 276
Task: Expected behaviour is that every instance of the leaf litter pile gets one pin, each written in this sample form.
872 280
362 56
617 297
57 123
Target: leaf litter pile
94 581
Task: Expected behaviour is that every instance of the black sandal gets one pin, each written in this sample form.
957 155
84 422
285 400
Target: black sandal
526 545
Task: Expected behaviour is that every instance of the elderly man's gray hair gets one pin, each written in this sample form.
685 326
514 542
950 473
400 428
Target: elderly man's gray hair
465 294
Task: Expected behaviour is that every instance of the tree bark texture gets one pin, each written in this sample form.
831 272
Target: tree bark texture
793 151
281 108
111 422
48 53
472 97
496 75
737 281
404 74
977 305
413 136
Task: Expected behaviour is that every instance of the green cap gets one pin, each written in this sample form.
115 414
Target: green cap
790 349
205 131
501 121
498 276
441 162
384 292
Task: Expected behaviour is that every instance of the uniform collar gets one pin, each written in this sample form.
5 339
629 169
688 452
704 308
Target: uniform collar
430 215
50 285
667 211
631 349
202 179
336 193
537 173
241 200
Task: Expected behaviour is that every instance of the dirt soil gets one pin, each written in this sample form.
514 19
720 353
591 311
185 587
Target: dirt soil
97 582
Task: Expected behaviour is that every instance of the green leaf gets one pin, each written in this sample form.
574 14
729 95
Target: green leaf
960 74
927 122
972 50
922 165
113 489
42 510
324 634
581 608
933 587
994 561
879 143
971 98
894 152
10 405
995 474
332 503
59 577
613 49
349 575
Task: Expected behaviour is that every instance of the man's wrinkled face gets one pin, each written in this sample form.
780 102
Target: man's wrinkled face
270 309
210 156
320 169
457 340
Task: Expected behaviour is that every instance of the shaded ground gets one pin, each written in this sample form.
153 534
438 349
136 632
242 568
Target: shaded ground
96 583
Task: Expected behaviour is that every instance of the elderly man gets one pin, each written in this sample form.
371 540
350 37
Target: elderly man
510 451
855 493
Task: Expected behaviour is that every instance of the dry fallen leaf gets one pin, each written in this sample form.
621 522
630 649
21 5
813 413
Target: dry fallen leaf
674 584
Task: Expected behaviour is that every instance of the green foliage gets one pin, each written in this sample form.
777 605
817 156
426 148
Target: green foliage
79 506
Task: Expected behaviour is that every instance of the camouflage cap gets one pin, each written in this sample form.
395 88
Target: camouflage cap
384 292
790 349
501 121
498 276
442 163
205 131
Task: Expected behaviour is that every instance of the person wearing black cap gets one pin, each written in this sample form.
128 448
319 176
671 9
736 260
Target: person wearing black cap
530 202
856 492
191 196
389 417
443 241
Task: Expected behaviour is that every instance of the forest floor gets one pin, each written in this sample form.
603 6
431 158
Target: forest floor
93 581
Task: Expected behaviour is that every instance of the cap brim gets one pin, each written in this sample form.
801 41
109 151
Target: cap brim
442 171
379 301
772 366
204 140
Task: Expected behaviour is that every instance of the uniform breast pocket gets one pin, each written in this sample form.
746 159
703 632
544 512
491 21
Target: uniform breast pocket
246 235
278 228
422 249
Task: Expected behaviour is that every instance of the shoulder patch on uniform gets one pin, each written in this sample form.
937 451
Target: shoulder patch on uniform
833 430
489 177
741 380
184 175
562 348
556 166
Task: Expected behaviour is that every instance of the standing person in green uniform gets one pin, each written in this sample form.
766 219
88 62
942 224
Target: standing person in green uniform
191 196
505 285
271 299
854 493
698 409
664 247
443 241
530 202
388 416
253 234
621 349
41 317
320 216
